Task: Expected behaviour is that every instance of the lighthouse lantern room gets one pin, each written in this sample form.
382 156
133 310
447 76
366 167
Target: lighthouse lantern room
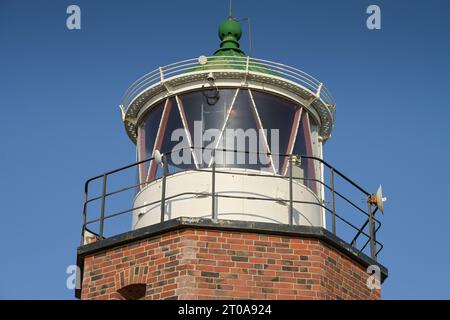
232 143
240 117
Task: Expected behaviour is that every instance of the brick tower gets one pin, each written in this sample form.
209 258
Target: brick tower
232 199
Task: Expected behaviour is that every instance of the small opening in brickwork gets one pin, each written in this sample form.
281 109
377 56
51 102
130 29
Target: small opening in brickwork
133 291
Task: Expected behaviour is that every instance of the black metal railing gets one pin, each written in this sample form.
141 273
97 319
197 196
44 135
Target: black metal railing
355 225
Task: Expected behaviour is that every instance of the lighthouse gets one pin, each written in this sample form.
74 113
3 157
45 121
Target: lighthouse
231 195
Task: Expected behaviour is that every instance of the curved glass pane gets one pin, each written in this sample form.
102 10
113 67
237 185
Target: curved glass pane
251 123
205 118
303 147
277 117
175 139
243 135
147 133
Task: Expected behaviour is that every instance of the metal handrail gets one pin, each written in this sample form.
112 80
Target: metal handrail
234 62
372 221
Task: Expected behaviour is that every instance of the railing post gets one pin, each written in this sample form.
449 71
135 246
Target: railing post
161 74
333 203
291 203
319 90
163 187
86 198
373 247
102 212
213 188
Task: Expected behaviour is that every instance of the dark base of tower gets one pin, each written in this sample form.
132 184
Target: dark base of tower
192 258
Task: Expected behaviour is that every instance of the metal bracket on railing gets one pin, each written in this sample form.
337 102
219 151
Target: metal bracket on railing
122 111
163 81
161 74
315 97
247 71
319 89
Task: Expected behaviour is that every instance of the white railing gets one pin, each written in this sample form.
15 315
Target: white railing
238 64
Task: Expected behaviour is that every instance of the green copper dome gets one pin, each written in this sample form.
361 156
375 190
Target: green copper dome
231 28
230 32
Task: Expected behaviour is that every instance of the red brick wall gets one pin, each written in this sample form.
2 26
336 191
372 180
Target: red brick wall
205 264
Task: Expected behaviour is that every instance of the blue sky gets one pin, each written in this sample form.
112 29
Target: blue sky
60 92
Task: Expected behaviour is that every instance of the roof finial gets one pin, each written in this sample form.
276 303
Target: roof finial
230 32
